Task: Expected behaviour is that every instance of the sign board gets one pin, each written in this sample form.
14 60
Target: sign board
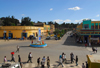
39 34
94 38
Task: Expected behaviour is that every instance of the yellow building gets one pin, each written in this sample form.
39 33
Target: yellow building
20 31
93 61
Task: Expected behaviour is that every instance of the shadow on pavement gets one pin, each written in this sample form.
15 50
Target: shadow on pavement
24 62
70 41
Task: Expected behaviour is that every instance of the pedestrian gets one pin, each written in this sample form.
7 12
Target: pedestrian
17 49
30 57
60 62
38 61
63 57
13 58
96 49
83 66
86 65
65 60
8 38
89 44
15 37
85 45
60 57
72 57
76 60
44 58
42 63
5 60
19 60
48 62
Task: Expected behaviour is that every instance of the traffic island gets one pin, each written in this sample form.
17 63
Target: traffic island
38 45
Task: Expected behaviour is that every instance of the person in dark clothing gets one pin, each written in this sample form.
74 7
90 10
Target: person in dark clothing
38 61
13 58
86 65
72 57
19 60
76 60
29 57
48 62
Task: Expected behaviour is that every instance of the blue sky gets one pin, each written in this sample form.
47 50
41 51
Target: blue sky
51 10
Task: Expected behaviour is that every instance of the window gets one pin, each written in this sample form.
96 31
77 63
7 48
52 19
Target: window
92 27
96 27
86 26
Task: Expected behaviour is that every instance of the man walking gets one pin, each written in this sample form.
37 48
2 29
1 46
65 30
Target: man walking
72 57
17 49
76 60
60 62
29 57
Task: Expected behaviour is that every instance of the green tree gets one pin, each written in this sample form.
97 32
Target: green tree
26 21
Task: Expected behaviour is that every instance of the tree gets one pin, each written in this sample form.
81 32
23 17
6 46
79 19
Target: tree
49 23
26 21
9 21
56 25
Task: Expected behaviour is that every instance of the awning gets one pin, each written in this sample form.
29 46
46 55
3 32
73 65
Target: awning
94 38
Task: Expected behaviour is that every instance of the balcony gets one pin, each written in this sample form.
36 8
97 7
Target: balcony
89 30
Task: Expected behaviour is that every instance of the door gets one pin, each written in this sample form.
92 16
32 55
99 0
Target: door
10 35
24 35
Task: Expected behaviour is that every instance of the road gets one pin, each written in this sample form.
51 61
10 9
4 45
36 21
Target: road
53 50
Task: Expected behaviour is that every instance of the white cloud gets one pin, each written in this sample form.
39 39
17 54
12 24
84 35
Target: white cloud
74 8
94 20
58 20
23 14
97 15
78 20
19 20
67 20
51 9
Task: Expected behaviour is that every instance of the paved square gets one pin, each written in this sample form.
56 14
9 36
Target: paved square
53 50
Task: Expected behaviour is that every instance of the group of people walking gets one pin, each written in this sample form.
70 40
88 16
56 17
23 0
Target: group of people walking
39 61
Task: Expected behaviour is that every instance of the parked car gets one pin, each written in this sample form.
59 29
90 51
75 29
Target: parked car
71 35
10 65
31 36
48 38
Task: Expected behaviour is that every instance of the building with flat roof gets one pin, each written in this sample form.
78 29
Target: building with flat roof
89 31
20 31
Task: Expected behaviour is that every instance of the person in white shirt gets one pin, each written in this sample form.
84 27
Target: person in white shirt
5 60
29 57
96 49
89 44
17 49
